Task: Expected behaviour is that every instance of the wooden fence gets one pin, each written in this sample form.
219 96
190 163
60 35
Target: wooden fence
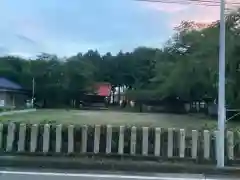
111 140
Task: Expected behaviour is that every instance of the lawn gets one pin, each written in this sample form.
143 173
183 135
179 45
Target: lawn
114 118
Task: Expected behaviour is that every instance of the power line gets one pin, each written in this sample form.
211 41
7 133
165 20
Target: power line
186 2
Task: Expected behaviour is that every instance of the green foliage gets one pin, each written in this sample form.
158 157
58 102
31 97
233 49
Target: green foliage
188 66
57 81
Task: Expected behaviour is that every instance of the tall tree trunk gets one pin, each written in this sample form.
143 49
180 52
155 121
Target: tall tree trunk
119 94
113 97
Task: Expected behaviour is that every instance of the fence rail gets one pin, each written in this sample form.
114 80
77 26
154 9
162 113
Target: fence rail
123 140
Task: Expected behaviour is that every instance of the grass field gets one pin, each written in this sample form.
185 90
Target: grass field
114 118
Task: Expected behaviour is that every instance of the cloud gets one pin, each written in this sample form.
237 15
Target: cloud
197 14
22 54
26 39
3 51
51 26
201 13
165 7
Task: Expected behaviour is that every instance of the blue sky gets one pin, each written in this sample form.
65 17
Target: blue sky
64 28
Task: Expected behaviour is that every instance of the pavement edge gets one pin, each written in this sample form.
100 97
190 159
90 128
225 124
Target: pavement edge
113 165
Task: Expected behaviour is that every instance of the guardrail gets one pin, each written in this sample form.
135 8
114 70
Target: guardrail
111 140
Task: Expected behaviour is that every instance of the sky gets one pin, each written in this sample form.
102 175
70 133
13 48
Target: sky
64 28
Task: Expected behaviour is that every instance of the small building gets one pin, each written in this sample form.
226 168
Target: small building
103 89
12 94
98 98
118 95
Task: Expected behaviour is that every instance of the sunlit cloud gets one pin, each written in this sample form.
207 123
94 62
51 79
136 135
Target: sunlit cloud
165 7
198 12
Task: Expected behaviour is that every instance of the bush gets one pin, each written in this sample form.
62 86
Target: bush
3 109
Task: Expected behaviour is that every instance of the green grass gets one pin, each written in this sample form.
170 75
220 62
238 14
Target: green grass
115 118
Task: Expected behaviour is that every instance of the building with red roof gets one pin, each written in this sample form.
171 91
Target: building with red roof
99 97
103 89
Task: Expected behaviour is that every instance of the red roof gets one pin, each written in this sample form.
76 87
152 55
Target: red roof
103 89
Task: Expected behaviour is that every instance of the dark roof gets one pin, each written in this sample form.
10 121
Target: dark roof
7 84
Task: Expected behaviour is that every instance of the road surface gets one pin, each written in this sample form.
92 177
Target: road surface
57 175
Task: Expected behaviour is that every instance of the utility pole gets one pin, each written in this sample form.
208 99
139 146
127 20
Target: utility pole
33 90
221 89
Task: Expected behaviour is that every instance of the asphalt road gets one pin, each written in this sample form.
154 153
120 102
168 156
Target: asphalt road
58 175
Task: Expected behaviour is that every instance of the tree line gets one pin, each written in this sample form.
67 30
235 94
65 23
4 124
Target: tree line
186 68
